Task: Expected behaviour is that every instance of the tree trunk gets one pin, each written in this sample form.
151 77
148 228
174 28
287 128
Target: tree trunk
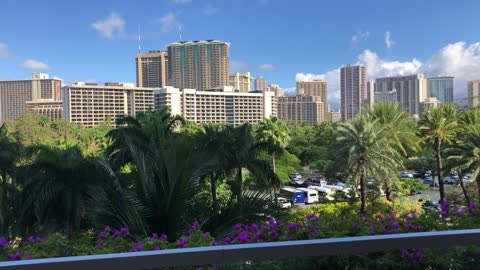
273 162
363 195
439 171
213 186
387 194
4 203
478 184
239 184
464 189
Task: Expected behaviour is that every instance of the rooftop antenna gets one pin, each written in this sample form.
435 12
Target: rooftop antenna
139 40
181 31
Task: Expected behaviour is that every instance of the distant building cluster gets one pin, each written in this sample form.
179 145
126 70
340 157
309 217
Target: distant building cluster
191 78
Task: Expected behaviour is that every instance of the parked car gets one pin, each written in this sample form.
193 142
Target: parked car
284 203
451 180
418 174
429 181
468 178
315 182
406 175
430 206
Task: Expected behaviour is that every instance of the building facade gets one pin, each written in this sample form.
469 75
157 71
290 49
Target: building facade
52 109
390 96
335 116
441 87
275 88
474 94
14 95
429 102
241 82
261 84
370 92
315 88
300 109
410 90
353 84
217 106
198 65
91 105
152 69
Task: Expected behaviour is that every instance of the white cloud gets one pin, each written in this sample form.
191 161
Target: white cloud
267 67
460 60
4 52
181 2
209 9
169 22
289 91
388 40
359 37
35 65
110 27
238 66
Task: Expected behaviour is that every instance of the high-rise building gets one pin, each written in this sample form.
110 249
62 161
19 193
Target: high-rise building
335 116
390 96
152 69
198 65
315 88
473 94
300 109
241 82
221 105
275 88
91 105
370 92
52 109
261 84
441 87
410 90
15 94
353 82
429 102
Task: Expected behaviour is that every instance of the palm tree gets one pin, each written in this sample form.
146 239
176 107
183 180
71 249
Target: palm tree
398 127
59 187
366 152
437 126
273 135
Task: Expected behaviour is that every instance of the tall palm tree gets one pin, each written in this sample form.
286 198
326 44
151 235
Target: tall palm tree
59 186
398 127
366 152
273 135
438 126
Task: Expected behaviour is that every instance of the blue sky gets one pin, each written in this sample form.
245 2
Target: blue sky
283 40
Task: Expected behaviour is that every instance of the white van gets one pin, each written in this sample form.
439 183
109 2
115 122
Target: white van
311 195
329 193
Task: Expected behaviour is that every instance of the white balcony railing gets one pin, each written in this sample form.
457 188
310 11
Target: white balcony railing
219 255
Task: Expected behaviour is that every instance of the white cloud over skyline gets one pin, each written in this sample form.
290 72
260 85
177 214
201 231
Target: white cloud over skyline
4 51
111 27
459 59
359 37
267 67
388 40
35 65
169 22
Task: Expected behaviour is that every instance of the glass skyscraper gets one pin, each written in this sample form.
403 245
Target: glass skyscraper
441 87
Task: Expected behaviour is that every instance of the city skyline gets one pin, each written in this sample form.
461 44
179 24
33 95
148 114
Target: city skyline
106 39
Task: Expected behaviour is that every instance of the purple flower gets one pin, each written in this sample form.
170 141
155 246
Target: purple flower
405 253
139 246
355 225
419 228
237 227
131 250
101 235
154 236
107 230
274 234
390 217
100 245
195 225
190 231
123 231
372 232
472 206
254 227
395 225
15 257
38 239
418 257
205 234
31 239
3 242
156 248
182 242
29 256
445 207
410 226
227 240
213 243
459 212
411 217
242 237
163 237
260 236
311 216
294 226
116 234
